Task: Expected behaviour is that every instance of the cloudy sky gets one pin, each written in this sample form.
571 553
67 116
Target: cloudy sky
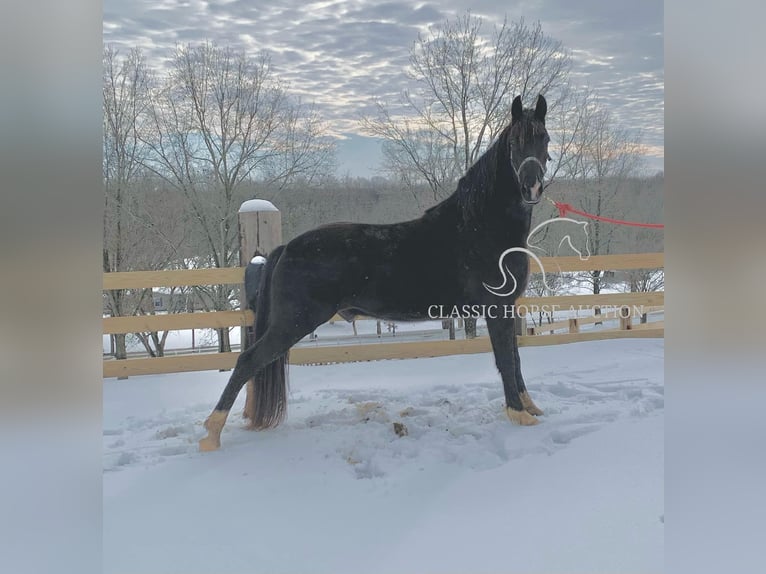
342 55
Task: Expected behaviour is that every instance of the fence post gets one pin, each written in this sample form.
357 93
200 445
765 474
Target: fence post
626 318
260 228
520 325
574 326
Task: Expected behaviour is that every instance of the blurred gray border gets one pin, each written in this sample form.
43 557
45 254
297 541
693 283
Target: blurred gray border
715 198
50 245
50 146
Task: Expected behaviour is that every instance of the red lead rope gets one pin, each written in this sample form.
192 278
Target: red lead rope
565 208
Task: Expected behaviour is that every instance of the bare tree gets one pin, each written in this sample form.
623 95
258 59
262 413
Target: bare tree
539 287
125 91
465 83
645 280
161 242
142 226
132 240
415 155
222 119
570 129
599 157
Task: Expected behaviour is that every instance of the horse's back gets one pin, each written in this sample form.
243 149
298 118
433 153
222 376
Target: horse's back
367 244
380 268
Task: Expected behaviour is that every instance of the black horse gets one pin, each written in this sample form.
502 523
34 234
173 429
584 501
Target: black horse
400 271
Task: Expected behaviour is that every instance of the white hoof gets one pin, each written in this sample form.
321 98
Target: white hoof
522 418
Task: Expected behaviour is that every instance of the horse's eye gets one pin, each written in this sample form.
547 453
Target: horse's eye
548 156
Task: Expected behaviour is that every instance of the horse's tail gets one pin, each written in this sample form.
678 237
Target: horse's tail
269 404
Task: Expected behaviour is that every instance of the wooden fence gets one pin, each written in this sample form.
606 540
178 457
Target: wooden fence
375 351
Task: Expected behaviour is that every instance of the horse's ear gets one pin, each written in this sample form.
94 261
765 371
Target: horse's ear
541 108
516 110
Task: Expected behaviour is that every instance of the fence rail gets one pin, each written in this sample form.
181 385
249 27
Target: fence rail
375 351
234 275
357 353
173 278
176 322
574 323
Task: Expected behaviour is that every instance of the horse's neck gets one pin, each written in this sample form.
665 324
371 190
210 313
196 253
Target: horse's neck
496 216
517 221
518 214
501 228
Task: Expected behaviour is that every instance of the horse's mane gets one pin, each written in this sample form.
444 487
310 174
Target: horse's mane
476 187
490 174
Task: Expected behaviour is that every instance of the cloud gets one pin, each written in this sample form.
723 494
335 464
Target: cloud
343 55
398 12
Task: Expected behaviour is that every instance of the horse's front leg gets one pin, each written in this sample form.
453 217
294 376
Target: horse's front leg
503 336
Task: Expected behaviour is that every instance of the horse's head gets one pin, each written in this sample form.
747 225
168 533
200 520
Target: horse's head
528 142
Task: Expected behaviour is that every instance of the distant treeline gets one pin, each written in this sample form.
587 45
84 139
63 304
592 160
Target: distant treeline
379 200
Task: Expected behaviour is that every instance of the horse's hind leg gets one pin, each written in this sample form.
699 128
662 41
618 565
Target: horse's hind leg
526 400
287 325
503 337
266 350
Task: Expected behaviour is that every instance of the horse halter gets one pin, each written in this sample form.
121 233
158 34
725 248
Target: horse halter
530 158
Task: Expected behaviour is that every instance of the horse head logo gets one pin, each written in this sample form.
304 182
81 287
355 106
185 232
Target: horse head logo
576 237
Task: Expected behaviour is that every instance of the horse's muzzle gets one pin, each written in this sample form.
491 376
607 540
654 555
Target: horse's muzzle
531 175
532 194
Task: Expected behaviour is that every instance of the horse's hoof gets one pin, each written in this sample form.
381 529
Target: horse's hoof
208 444
522 418
529 405
213 424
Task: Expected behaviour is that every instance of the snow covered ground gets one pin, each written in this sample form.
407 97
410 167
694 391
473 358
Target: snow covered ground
334 489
